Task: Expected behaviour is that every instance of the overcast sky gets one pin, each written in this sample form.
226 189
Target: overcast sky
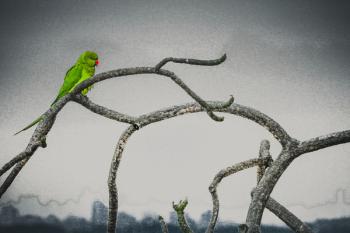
288 59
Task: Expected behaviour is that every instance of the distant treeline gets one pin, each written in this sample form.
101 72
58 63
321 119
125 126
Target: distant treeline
12 222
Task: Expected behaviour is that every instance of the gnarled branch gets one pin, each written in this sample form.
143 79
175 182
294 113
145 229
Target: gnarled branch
180 212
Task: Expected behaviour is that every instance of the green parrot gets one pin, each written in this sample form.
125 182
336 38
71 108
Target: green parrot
83 69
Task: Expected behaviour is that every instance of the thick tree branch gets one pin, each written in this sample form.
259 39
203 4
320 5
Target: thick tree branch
323 142
263 190
261 193
112 187
280 211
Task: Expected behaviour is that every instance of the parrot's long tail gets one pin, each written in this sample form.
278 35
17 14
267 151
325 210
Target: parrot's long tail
30 125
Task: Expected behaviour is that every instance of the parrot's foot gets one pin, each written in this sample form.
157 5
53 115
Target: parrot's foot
43 143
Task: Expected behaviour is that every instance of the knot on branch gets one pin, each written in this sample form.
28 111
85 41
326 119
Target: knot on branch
180 207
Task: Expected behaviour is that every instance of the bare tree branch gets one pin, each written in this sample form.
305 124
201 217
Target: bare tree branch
222 174
194 95
280 211
323 142
163 225
103 111
264 152
180 211
191 61
112 187
287 217
38 139
263 190
14 172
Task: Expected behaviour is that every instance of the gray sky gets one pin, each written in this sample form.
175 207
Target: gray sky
288 59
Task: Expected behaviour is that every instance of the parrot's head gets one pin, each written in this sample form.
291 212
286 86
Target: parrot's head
90 58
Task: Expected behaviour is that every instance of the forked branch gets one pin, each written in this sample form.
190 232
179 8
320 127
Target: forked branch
180 212
276 208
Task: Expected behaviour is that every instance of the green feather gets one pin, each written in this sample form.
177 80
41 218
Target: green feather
83 69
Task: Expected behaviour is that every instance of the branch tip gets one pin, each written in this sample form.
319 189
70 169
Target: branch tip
214 116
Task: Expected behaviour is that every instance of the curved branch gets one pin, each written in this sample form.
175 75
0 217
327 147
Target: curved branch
323 142
246 112
103 111
112 187
222 174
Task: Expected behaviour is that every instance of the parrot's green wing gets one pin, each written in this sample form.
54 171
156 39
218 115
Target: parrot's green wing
72 77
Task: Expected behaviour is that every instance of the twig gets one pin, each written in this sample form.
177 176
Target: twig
191 61
180 212
163 225
196 97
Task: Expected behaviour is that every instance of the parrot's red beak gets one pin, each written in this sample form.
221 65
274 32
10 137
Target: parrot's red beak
97 62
